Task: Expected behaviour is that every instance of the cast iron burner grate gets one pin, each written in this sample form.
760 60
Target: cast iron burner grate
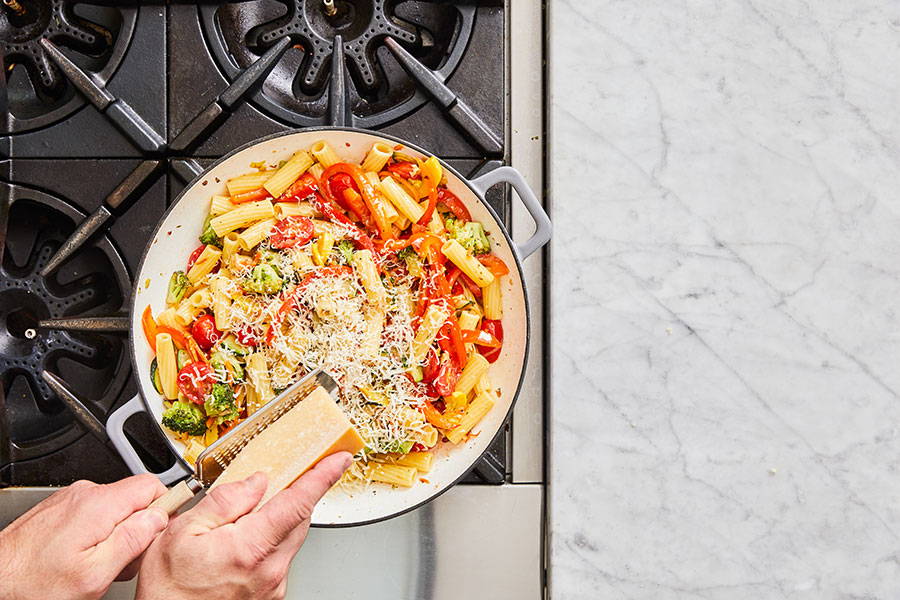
38 92
379 91
35 422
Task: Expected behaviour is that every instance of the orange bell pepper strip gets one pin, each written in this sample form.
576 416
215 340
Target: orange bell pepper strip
177 337
149 327
436 418
251 196
494 264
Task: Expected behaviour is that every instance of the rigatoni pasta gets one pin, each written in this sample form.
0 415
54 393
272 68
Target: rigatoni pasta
373 272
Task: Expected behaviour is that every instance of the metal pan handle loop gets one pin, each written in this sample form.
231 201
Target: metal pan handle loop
115 428
543 228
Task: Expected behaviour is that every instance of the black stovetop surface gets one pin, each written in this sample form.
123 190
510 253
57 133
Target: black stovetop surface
60 157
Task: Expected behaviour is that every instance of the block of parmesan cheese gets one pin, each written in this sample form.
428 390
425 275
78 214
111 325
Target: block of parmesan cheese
293 444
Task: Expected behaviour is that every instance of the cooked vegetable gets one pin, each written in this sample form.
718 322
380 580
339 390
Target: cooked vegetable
154 376
194 381
264 279
178 285
222 362
209 235
230 344
183 358
220 403
469 234
185 417
345 251
204 332
412 260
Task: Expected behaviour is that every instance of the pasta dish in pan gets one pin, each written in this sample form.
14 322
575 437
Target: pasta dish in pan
374 272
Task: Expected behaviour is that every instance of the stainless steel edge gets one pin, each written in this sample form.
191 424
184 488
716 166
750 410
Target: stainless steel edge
527 157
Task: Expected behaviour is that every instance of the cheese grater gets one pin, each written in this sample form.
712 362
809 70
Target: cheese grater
213 461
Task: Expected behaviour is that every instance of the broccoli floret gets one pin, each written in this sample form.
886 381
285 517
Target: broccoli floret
264 279
469 234
209 235
185 417
220 402
178 284
345 250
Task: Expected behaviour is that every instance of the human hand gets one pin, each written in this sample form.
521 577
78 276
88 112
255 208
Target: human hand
220 549
75 543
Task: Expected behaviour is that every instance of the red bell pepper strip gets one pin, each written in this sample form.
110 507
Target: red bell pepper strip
251 196
149 327
494 264
481 338
328 208
453 204
447 375
194 256
495 328
404 170
370 196
432 204
301 189
290 300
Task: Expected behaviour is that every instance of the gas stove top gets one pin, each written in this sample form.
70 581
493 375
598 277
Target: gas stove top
109 109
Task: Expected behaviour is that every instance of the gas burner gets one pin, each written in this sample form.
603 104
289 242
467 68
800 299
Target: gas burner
92 282
38 91
379 90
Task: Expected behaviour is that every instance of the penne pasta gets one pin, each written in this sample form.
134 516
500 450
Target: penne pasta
377 157
316 171
251 237
247 183
420 461
368 275
402 201
166 365
288 173
480 406
475 368
258 372
284 210
392 474
205 263
324 153
467 263
493 300
220 205
433 319
242 216
230 246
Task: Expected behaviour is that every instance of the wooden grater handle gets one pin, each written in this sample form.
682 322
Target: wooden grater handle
177 496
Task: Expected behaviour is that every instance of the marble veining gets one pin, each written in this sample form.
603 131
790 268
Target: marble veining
725 190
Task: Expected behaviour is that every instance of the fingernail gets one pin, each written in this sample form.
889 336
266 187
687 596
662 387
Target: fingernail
158 517
348 460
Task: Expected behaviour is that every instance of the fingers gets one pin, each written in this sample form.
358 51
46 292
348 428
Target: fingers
107 505
227 503
292 507
128 541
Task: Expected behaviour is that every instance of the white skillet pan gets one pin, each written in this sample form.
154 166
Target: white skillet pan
176 236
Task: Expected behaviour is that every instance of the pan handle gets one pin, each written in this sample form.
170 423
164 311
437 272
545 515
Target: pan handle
509 175
115 428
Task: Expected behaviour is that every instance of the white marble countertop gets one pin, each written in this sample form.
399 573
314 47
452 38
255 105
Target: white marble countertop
725 298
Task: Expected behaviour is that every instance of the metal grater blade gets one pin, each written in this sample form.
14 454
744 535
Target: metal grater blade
219 455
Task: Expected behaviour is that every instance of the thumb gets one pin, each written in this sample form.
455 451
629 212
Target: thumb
129 539
227 503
